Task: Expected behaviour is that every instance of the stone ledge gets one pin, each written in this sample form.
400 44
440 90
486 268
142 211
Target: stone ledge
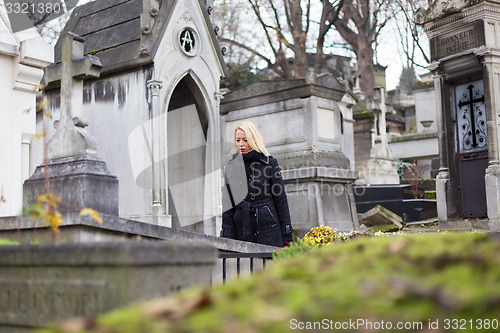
119 229
123 253
414 136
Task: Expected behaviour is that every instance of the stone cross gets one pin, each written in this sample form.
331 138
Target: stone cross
71 138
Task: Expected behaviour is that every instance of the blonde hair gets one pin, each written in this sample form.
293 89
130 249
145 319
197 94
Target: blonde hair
253 137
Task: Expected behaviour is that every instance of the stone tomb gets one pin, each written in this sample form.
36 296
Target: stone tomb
465 62
154 109
45 283
302 126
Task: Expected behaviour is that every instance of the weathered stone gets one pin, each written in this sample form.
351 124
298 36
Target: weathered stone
379 215
44 283
82 181
134 108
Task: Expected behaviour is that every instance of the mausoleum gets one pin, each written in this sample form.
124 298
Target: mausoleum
465 61
23 56
154 109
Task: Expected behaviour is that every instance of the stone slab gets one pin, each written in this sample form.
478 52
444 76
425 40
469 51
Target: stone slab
379 215
76 229
44 283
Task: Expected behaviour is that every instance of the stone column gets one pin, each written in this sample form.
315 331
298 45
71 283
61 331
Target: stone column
213 176
491 76
443 177
159 205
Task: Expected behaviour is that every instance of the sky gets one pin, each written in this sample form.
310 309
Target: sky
388 54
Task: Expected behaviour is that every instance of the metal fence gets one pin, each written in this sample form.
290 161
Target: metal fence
244 261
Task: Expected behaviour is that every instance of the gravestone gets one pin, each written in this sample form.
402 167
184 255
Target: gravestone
464 57
301 123
23 56
40 284
73 170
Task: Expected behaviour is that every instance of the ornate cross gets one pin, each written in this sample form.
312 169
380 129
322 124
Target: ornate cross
470 103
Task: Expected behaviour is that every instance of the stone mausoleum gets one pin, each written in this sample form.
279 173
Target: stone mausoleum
465 60
154 109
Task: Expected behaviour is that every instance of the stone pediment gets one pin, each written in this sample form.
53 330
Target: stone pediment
442 8
124 34
262 92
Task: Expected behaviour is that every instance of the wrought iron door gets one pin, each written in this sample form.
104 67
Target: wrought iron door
472 147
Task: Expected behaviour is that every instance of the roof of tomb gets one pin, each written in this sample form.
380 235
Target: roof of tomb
124 33
263 92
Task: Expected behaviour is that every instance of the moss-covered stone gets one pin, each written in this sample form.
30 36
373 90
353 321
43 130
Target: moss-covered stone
385 228
8 242
413 278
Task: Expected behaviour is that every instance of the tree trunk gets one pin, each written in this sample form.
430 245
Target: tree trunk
366 68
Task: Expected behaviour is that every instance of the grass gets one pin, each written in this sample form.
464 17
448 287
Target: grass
412 278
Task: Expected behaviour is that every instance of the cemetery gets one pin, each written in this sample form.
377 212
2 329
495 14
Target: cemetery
113 143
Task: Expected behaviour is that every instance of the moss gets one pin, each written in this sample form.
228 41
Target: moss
430 195
385 228
8 242
413 278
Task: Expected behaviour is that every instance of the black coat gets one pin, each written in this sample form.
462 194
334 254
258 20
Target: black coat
255 207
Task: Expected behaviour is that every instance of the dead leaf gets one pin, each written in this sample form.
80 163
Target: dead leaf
397 246
93 213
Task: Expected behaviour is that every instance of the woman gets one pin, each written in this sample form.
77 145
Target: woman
256 207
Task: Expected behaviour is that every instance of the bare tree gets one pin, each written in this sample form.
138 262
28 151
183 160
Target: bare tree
359 24
289 30
411 35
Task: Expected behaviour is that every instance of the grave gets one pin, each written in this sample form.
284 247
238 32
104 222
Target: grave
398 198
380 168
302 126
464 56
23 56
161 67
73 171
45 283
82 95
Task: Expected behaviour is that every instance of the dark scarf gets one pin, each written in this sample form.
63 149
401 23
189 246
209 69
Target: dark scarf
250 157
253 156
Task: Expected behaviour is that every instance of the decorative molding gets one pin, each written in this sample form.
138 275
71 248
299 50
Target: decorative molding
154 87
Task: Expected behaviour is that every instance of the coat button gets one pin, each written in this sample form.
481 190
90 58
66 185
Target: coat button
256 233
252 197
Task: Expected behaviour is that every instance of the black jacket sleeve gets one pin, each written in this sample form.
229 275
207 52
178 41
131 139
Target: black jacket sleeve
280 201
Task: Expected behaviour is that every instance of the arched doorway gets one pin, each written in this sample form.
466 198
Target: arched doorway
187 129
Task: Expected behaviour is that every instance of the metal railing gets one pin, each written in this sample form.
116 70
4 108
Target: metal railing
265 256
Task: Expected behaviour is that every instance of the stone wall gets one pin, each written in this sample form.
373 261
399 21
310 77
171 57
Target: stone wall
44 283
